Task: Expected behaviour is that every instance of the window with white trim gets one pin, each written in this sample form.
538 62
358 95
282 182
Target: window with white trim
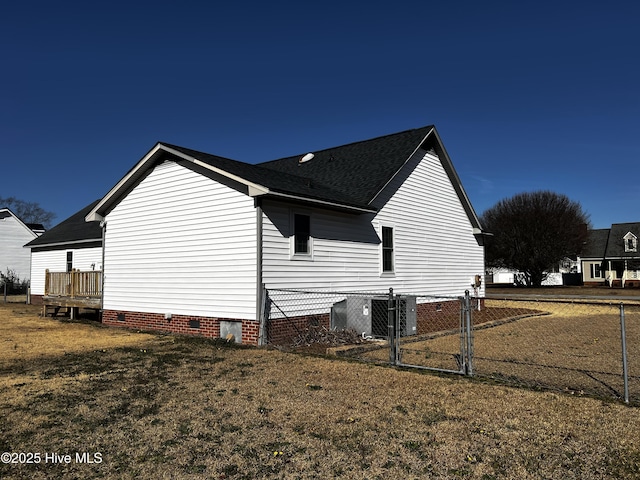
387 250
630 242
301 240
69 261
596 270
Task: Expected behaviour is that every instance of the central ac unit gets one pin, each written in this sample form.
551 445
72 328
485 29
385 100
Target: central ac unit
370 315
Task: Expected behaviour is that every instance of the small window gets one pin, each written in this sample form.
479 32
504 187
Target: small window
631 245
596 270
630 242
301 234
69 261
387 249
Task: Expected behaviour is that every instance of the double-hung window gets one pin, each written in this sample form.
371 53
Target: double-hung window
302 235
387 250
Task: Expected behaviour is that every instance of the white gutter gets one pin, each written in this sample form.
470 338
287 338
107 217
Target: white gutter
57 244
322 202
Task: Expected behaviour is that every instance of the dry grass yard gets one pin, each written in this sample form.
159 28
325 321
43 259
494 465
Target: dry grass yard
174 407
568 347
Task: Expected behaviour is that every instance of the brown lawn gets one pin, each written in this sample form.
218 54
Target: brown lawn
174 407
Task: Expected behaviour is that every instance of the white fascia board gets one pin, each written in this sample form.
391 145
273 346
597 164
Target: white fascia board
93 215
143 164
405 162
473 217
257 190
20 222
254 188
451 173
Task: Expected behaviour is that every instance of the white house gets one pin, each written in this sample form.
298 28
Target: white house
73 244
14 234
191 239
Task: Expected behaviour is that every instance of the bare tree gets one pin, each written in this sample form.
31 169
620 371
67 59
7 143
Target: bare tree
28 212
534 231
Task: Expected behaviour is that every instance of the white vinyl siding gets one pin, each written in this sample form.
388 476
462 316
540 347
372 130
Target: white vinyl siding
181 243
56 261
13 256
435 251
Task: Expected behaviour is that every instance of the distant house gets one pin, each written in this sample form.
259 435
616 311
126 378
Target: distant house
14 234
565 272
192 239
73 244
612 256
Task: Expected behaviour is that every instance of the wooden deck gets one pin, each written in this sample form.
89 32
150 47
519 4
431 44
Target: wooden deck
72 290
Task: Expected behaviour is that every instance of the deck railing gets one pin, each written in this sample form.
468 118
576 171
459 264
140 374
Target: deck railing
73 284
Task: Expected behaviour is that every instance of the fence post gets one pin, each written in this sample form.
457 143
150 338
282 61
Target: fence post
397 329
625 370
393 346
262 306
469 334
461 359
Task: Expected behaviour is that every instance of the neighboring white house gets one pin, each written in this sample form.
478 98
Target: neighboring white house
14 234
191 238
73 244
558 275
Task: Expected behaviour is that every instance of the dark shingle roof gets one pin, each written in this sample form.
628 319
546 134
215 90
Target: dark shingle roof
70 231
348 177
615 248
596 243
358 170
351 174
276 181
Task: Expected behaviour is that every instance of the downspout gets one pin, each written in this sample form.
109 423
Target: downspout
259 285
103 224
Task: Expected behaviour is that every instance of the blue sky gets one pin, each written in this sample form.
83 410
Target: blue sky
526 96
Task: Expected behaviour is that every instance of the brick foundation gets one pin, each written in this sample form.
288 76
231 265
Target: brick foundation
282 331
180 324
430 317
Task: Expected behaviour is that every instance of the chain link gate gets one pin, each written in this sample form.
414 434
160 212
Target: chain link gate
442 335
427 332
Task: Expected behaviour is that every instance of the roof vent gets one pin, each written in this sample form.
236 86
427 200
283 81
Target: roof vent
306 158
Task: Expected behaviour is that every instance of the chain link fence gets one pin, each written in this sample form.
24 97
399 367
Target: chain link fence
381 327
327 320
13 292
578 346
572 346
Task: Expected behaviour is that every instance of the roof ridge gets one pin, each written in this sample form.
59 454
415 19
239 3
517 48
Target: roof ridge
381 137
